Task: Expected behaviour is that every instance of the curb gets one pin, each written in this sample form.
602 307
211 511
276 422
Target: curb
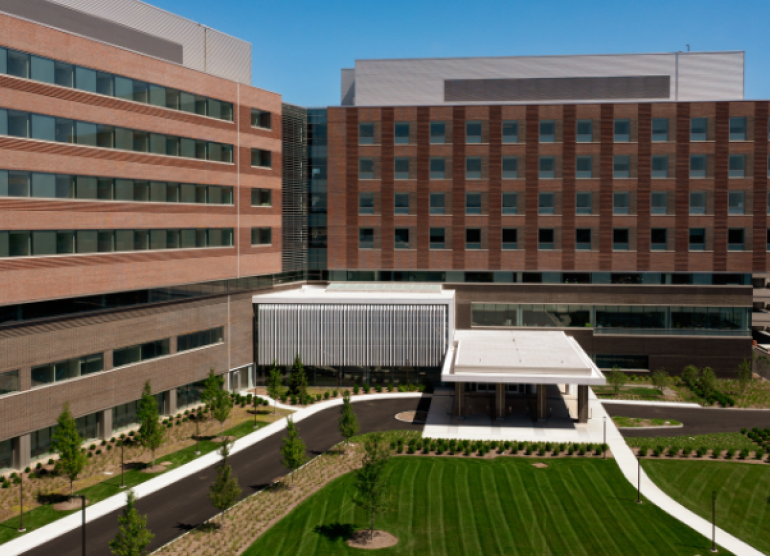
651 404
649 428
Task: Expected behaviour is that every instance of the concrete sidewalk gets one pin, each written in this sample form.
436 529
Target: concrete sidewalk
53 530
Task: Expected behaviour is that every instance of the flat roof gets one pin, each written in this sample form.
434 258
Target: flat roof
529 357
349 293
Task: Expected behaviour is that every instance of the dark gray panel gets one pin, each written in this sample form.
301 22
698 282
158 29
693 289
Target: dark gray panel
559 88
74 21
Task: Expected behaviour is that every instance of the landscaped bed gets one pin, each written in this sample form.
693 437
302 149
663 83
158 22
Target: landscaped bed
639 422
743 494
475 507
719 446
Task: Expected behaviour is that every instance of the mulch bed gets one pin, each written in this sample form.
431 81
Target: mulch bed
363 539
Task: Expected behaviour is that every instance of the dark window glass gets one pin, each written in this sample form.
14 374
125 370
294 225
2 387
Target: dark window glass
437 133
697 165
366 238
660 129
735 239
87 187
511 131
42 69
547 167
437 168
401 203
737 129
261 158
545 238
621 166
510 167
546 203
437 238
698 129
510 204
737 166
660 166
401 133
401 236
473 203
620 239
473 167
547 131
473 238
401 168
261 236
85 79
583 238
18 124
105 83
659 202
44 243
438 203
697 202
584 167
473 132
366 203
583 203
200 339
366 133
86 134
697 239
622 131
18 64
620 203
585 131
87 241
658 238
510 238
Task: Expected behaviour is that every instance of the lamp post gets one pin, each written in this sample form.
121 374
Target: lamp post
21 502
197 434
83 500
713 521
122 464
638 479
604 445
255 408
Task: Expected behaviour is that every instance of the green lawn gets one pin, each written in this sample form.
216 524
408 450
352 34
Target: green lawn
503 506
743 494
639 422
44 515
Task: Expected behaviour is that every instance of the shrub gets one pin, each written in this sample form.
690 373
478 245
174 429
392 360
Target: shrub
326 395
548 446
32 476
6 484
410 450
745 453
366 387
92 447
556 450
90 454
582 451
50 461
642 452
344 393
701 452
293 399
390 386
571 450
39 465
529 450
129 434
378 388
493 445
467 451
265 402
109 447
334 393
103 442
98 452
743 430
673 451
27 470
355 389
284 397
507 444
400 449
759 454
318 397
730 453
657 452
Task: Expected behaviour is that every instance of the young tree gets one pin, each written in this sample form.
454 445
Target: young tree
660 379
152 433
617 379
690 374
372 487
348 422
221 405
708 380
225 489
745 374
133 536
298 384
66 442
292 448
274 385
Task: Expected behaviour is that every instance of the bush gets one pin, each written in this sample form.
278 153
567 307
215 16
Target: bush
6 484
318 397
98 452
390 386
467 451
284 397
745 453
701 452
90 454
642 452
493 445
743 430
293 399
355 389
334 393
109 447
759 454
344 393
529 450
541 451
265 402
378 388
556 450
410 450
326 395
582 451
730 453
92 447
673 452
657 451
366 387
571 450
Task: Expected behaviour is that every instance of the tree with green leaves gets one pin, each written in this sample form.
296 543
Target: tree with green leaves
298 381
292 448
66 442
708 380
745 374
221 405
275 385
660 379
690 374
348 422
133 536
372 486
152 433
617 379
225 490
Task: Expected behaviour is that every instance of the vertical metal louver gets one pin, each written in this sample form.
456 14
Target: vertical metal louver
294 189
354 334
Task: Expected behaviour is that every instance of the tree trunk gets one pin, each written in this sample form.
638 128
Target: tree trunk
72 492
371 534
153 457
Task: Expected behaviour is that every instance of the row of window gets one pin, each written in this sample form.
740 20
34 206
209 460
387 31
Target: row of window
18 243
549 167
45 70
585 131
612 316
68 369
546 239
64 130
65 186
546 204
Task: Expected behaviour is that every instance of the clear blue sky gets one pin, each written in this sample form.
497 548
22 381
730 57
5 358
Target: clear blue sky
299 46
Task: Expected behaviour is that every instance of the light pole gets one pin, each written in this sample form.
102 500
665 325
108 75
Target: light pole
255 408
197 434
21 502
83 499
122 464
604 445
638 479
713 521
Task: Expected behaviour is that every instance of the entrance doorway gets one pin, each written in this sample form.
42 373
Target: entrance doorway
490 387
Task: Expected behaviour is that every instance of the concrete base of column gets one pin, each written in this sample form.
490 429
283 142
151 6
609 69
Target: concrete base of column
169 402
582 399
21 447
541 405
104 421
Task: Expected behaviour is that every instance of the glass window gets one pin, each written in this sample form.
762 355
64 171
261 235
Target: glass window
105 136
511 131
547 167
366 168
546 203
735 239
42 69
43 127
660 166
199 339
437 168
620 239
438 203
65 242
261 158
3 122
547 131
86 134
401 133
510 203
86 241
737 129
172 193
105 241
659 129
3 60
473 238
621 166
736 202
401 203
473 203
622 131
697 165
18 64
44 185
142 141
737 166
545 238
142 240
401 236
437 133
86 187
64 74
9 382
697 239
261 197
105 83
85 79
620 203
697 202
366 133
583 239
158 238
261 236
260 118
510 167
583 203
437 238
141 92
585 131
473 132
366 238
124 139
658 239
659 202
473 167
18 124
510 238
584 167
698 129
401 168
18 184
19 244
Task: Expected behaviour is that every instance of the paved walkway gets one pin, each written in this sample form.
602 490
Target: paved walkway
178 500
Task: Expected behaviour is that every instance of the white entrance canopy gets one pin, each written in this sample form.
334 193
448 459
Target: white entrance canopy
518 357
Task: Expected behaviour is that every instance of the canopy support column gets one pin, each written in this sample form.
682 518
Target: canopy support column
500 402
459 405
541 405
582 405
